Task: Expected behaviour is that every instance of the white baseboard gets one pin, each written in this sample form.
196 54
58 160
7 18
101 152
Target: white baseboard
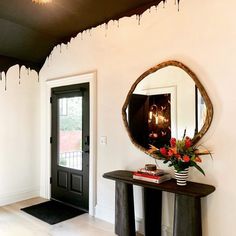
166 230
139 225
105 213
9 198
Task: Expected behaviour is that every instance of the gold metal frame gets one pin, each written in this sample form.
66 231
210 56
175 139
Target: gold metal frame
202 90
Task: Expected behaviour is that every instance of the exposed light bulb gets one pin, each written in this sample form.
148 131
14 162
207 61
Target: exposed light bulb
156 120
150 115
41 1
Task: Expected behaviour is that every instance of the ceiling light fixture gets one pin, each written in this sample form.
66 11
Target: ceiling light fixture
41 1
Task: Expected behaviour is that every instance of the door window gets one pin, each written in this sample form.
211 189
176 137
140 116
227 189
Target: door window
70 132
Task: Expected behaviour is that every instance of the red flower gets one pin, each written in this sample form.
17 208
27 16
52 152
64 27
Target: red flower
186 158
170 153
188 142
178 156
173 142
174 150
163 151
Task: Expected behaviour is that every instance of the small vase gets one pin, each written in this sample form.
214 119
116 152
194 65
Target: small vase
181 177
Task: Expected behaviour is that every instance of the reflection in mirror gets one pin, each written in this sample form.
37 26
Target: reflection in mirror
166 101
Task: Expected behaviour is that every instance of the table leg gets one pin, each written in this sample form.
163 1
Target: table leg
187 216
152 211
124 210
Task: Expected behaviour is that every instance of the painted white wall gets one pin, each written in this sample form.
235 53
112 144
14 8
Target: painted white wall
202 36
19 139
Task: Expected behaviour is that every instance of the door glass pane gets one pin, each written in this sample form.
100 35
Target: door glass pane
70 132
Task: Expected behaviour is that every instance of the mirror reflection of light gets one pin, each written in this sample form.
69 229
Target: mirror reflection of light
41 1
163 119
156 120
150 116
154 117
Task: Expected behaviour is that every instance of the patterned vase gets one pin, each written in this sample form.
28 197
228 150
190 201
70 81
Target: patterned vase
181 177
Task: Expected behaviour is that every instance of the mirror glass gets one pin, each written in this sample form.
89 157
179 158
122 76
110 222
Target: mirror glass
166 101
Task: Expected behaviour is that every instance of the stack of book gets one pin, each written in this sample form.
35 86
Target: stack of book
155 176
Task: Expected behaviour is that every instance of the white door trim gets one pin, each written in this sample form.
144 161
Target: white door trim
46 133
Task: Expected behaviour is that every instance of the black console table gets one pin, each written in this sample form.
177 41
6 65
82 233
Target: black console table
187 212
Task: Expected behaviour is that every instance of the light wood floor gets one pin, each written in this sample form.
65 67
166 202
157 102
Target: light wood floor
14 222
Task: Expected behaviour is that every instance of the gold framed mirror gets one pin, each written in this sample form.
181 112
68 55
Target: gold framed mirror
166 101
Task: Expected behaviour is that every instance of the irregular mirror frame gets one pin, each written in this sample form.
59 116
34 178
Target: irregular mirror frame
201 94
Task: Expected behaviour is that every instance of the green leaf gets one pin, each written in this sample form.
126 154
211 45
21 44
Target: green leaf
198 168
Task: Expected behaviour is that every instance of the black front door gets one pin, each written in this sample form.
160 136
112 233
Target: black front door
70 145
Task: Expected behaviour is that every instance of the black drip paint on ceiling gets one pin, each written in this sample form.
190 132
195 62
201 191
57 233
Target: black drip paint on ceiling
29 31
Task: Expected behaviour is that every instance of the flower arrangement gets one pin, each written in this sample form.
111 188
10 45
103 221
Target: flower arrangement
180 154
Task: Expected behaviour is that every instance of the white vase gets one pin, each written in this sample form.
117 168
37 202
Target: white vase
181 177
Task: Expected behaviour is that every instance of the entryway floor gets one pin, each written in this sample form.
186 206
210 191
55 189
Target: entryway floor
14 222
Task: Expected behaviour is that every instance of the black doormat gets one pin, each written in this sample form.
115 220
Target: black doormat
52 212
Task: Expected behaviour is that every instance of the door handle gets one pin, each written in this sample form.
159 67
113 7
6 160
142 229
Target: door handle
86 140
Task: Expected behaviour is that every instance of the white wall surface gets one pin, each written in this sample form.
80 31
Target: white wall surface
201 35
19 139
